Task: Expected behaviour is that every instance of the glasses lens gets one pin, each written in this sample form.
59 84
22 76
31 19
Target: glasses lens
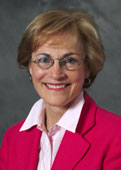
44 61
71 62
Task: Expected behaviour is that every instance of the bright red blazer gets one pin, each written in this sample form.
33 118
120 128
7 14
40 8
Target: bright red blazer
96 144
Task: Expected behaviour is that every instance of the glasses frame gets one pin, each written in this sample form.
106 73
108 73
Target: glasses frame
36 61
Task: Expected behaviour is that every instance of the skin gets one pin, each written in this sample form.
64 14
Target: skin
57 101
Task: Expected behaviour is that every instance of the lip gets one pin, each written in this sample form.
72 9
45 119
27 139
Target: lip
56 86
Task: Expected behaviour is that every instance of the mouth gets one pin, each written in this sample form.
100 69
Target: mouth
56 86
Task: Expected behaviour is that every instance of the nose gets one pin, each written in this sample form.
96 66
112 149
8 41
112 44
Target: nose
56 71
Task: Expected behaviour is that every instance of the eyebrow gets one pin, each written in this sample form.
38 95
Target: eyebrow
65 55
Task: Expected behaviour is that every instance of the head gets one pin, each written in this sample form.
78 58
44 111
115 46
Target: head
78 25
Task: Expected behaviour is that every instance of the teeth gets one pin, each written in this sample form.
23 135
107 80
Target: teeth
56 86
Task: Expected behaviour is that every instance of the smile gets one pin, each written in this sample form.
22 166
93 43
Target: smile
56 87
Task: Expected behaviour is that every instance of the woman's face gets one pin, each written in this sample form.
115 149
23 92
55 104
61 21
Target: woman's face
57 86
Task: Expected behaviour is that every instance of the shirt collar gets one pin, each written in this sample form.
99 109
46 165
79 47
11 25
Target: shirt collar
35 116
68 121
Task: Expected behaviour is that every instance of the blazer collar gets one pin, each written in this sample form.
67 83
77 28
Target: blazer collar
87 119
74 146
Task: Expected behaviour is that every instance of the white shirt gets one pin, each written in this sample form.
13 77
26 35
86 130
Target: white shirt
50 142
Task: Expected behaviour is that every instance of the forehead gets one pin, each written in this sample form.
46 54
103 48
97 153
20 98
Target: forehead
62 41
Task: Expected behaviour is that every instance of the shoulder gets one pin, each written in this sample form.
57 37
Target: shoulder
108 117
11 135
109 123
14 130
103 118
102 115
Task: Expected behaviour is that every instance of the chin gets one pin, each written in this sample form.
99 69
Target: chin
59 102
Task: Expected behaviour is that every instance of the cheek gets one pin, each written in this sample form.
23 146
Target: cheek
77 81
37 74
78 78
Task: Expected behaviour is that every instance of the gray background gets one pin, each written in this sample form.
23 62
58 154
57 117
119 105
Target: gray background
16 91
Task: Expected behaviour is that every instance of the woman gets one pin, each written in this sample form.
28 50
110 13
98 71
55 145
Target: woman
65 129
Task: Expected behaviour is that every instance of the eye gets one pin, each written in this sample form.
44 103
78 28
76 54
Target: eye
70 61
43 59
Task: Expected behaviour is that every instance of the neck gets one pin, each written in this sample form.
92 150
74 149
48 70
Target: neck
53 114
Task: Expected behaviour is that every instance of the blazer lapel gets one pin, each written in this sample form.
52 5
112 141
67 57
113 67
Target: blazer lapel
88 116
74 147
27 148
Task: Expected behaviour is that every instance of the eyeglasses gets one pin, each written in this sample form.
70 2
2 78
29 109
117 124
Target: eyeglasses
69 61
